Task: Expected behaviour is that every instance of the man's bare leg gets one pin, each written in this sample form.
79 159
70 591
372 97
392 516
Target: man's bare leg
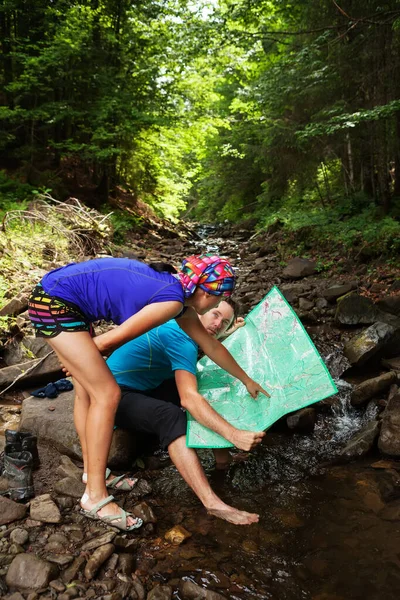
187 462
222 458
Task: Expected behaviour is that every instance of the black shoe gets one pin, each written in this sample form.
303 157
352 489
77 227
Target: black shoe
26 441
18 475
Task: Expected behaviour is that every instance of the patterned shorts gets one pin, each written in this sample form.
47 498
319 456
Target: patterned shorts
50 315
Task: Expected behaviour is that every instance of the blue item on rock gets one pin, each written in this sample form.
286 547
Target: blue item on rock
51 390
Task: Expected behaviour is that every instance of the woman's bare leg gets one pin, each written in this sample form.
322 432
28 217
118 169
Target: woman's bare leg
81 409
78 353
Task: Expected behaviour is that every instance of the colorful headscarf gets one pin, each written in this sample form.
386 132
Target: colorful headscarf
209 272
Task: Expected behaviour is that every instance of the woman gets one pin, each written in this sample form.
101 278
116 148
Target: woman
135 297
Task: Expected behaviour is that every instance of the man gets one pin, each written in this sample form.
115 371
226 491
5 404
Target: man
145 368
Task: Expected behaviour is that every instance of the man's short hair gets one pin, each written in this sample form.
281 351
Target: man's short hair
235 307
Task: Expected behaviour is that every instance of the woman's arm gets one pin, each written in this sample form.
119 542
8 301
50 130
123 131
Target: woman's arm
148 317
191 325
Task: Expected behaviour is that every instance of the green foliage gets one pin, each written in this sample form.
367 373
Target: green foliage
122 224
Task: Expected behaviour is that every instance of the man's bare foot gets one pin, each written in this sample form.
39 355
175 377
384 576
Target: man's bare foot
234 515
110 509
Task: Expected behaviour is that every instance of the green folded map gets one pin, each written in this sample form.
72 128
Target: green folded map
276 351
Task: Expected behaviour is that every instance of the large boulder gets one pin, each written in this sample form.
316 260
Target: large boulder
362 442
15 306
32 371
338 290
356 310
52 421
369 342
29 572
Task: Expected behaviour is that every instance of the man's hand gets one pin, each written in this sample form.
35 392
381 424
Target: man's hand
239 322
246 440
254 388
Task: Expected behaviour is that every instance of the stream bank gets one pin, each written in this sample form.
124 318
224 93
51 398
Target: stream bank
329 529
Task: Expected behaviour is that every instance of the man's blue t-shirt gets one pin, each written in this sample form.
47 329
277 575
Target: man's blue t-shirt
145 362
112 289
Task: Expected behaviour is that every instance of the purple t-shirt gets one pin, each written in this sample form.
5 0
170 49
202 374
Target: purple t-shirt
112 289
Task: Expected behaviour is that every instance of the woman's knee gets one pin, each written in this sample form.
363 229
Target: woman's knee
108 397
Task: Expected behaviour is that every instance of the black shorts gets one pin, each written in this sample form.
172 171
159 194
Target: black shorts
157 412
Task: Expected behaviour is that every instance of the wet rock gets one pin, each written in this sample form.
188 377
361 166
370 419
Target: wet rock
160 592
44 509
17 305
355 310
29 572
362 442
126 564
101 540
389 439
11 511
367 343
372 387
177 535
37 418
144 512
336 291
299 267
250 546
99 556
191 591
302 420
69 487
19 536
142 488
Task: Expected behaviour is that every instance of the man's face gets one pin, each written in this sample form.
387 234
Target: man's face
217 320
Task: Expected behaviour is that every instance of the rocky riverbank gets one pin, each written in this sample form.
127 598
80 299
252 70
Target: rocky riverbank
49 550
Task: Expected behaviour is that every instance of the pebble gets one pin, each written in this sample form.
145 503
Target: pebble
19 536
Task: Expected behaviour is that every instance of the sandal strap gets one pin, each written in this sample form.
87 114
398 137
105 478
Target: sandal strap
115 480
93 511
108 472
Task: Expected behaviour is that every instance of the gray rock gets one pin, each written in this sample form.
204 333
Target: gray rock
29 572
160 592
362 442
299 267
305 304
336 291
372 387
138 587
191 591
37 418
15 306
292 291
366 344
73 570
69 487
11 511
99 556
19 536
67 468
126 563
44 509
389 439
302 420
15 596
355 310
321 303
32 371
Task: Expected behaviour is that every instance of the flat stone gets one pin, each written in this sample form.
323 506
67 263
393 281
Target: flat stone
69 487
336 291
11 511
43 509
98 541
29 572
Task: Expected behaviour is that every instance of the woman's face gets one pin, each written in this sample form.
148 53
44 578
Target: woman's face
203 301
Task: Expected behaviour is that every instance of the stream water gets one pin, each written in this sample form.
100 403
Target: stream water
328 531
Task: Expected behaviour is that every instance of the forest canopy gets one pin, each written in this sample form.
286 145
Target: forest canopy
286 111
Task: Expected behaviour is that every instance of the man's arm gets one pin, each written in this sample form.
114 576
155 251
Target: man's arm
191 325
203 413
